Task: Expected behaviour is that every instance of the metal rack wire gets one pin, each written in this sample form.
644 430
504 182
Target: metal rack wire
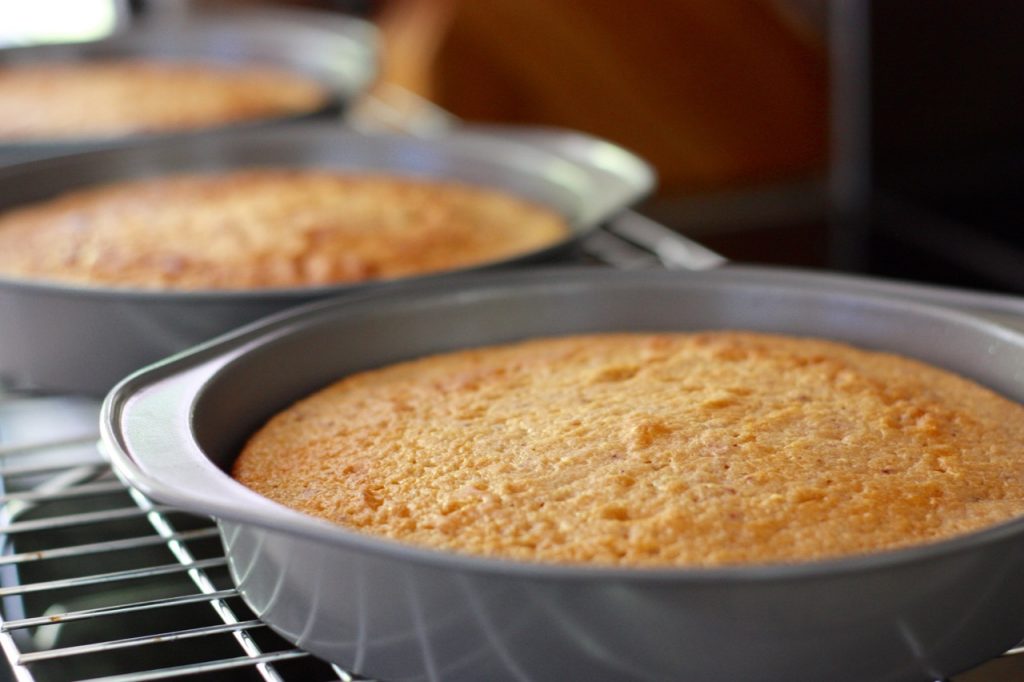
98 583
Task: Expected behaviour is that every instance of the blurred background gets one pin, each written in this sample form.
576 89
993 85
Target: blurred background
876 137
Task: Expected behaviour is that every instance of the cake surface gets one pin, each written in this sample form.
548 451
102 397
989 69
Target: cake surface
115 98
267 228
705 449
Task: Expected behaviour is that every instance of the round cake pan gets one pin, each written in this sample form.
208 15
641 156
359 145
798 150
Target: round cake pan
403 613
336 50
83 339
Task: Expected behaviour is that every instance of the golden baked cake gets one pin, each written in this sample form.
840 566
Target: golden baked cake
699 449
116 98
267 229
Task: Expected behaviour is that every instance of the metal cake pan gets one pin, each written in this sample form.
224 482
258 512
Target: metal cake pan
402 613
339 52
84 339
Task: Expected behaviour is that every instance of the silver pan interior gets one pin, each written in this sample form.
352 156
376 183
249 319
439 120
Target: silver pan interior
77 339
338 51
403 613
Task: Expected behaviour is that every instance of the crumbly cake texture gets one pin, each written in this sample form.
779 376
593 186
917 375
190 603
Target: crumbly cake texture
114 98
702 449
268 228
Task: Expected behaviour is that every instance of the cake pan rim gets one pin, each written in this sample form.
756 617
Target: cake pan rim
277 518
641 181
360 36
